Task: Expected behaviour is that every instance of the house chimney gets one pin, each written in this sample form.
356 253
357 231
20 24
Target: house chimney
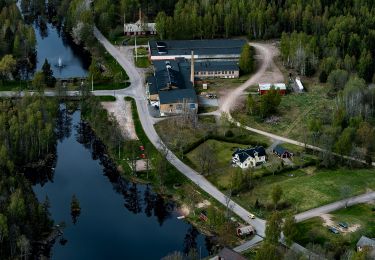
192 68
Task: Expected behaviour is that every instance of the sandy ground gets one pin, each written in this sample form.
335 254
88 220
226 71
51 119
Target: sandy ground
121 110
327 221
272 73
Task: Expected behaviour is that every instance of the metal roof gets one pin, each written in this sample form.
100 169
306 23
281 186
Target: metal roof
267 86
200 47
177 96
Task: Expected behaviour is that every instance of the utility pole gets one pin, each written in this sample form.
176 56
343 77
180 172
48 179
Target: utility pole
135 46
92 83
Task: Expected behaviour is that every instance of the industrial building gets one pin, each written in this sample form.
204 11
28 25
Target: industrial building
223 49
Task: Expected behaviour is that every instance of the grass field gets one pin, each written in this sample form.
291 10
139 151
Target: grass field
313 231
110 86
294 112
309 188
142 62
223 156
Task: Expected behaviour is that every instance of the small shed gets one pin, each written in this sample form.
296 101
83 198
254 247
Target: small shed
246 230
299 84
282 152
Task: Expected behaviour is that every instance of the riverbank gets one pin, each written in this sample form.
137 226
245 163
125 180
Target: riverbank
197 207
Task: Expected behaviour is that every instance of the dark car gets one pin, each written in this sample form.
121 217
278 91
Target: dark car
333 230
343 224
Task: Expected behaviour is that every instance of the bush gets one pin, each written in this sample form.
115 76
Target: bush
229 133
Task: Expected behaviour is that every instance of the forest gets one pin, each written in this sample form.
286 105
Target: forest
17 42
26 136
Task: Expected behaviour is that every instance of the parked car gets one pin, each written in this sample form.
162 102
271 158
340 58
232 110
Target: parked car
251 216
343 224
142 148
333 230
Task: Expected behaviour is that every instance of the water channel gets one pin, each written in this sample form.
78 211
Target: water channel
119 219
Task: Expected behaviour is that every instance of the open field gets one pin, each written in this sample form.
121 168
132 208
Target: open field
360 219
309 188
294 112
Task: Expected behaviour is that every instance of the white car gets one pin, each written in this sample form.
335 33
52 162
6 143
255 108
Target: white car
251 216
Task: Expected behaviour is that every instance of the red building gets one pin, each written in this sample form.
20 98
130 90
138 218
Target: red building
265 87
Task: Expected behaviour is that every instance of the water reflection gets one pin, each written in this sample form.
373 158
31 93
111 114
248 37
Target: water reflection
53 42
118 218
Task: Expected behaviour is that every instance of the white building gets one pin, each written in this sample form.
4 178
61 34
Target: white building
249 157
139 27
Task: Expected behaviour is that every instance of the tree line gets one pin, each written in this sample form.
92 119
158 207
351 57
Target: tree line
26 136
17 41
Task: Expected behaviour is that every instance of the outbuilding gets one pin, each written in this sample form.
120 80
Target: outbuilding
265 87
282 152
245 231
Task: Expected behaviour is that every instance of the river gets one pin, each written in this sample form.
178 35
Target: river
118 219
67 59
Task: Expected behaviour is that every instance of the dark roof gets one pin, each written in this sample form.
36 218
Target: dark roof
172 82
152 87
280 150
200 47
243 154
229 254
216 66
177 96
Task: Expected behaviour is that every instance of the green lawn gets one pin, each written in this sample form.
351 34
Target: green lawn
110 86
223 155
308 188
142 62
294 112
313 231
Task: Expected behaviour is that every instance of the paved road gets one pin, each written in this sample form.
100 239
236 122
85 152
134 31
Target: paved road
335 206
137 91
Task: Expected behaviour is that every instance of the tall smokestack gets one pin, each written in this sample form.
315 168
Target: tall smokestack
192 68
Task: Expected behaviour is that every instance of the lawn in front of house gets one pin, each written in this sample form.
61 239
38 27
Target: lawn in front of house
222 152
309 188
360 219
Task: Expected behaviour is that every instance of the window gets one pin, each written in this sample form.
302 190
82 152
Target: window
179 106
192 106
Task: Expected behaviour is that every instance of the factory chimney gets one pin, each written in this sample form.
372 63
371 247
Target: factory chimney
192 68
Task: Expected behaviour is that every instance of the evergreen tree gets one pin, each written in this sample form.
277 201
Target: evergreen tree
49 79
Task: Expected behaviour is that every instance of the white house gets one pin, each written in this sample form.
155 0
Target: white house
249 157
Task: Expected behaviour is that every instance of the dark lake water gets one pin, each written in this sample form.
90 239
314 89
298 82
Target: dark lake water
119 219
52 44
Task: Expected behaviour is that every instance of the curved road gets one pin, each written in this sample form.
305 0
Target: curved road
136 90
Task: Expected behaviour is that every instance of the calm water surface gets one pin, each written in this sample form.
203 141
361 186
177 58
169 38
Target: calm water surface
119 219
52 45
